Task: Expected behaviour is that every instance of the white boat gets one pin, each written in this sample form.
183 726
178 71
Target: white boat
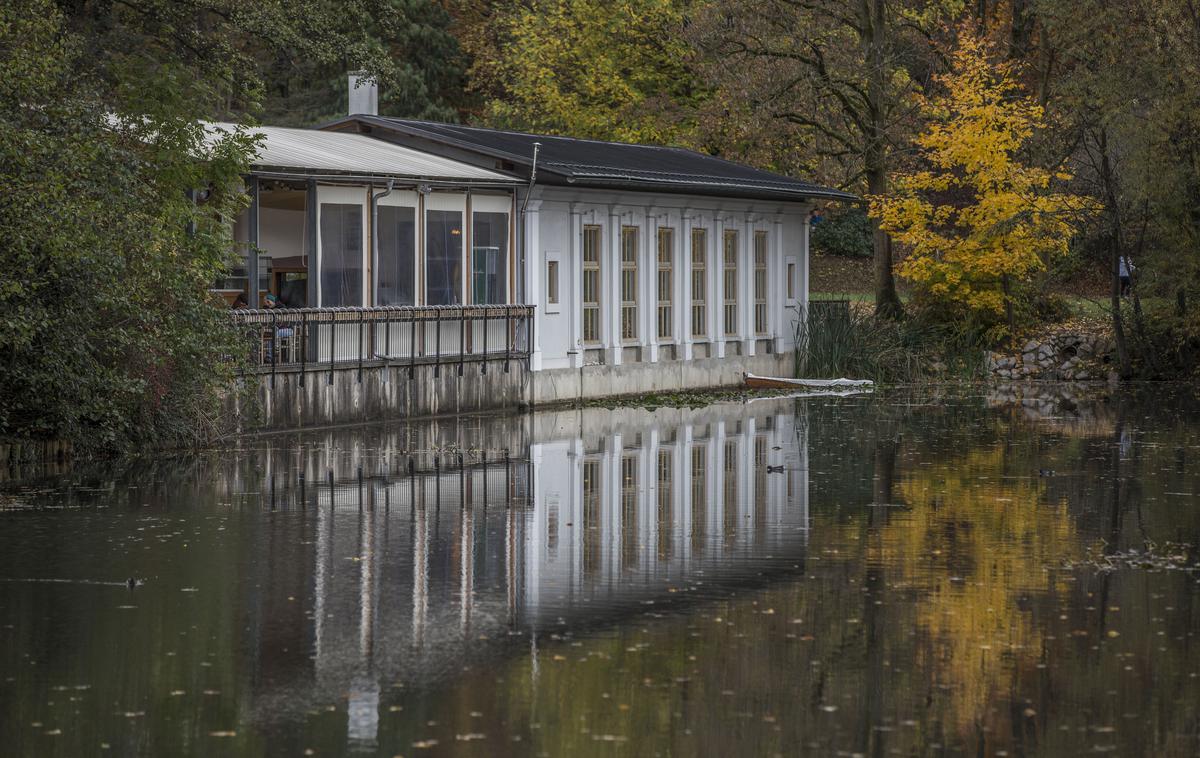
780 383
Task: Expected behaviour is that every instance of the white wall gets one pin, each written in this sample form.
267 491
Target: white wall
281 232
558 214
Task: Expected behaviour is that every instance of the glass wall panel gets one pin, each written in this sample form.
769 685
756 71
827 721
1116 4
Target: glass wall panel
341 254
443 257
489 258
397 251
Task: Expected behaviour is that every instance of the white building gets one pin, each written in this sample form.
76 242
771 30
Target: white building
641 268
651 268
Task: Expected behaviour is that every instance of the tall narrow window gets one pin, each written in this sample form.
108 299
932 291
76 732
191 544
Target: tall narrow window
397 252
443 257
699 282
731 283
629 510
591 284
760 283
666 281
629 283
666 478
552 282
489 258
591 516
760 487
341 254
731 489
791 281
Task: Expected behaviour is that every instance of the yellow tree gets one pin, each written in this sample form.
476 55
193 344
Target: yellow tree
976 221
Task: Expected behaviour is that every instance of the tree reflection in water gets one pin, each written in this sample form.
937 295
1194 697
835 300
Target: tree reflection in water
875 576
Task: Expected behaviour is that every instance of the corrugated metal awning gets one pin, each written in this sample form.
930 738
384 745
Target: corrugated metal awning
311 151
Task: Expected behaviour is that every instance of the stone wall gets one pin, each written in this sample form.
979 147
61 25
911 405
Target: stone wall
1063 355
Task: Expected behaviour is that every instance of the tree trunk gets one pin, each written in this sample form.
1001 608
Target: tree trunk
887 302
1113 213
1123 363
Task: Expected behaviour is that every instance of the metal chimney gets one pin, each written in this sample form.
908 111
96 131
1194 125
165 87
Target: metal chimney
364 94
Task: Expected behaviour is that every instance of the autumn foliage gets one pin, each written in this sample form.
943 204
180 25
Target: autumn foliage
975 219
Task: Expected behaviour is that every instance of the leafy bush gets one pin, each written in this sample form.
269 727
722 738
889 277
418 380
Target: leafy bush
844 232
109 337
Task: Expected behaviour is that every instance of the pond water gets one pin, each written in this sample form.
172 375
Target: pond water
916 573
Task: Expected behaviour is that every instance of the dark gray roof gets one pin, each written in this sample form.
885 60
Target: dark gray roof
592 163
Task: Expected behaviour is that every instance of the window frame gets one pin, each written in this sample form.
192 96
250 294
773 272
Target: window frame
629 285
699 305
665 306
503 257
762 250
404 200
591 269
553 284
729 281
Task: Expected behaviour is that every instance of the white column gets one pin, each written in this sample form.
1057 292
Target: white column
611 264
683 440
780 324
648 284
533 279
683 287
716 256
805 233
610 527
746 286
648 517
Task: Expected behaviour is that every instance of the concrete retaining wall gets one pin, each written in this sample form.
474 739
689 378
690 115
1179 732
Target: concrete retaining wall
385 393
326 398
570 385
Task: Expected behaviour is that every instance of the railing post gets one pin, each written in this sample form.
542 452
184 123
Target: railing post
437 344
274 346
361 315
487 312
332 349
303 346
412 345
508 337
462 337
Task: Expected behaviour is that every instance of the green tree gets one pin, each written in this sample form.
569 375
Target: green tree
108 335
587 68
825 87
425 78
1126 96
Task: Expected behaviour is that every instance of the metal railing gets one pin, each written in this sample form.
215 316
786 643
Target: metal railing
447 336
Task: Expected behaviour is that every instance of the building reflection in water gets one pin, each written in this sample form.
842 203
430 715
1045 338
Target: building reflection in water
421 550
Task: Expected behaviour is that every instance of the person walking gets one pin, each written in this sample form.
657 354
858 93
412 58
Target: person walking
1125 269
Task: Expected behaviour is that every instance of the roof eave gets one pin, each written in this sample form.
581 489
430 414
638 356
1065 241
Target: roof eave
384 123
312 173
719 190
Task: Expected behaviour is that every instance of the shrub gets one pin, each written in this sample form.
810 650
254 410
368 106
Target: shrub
845 232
